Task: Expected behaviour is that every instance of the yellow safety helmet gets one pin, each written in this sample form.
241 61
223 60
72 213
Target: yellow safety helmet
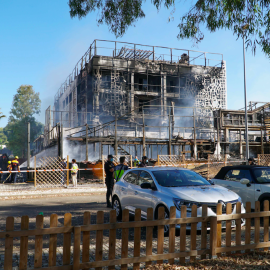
9 162
16 157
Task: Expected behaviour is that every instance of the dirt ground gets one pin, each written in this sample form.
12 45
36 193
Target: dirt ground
253 261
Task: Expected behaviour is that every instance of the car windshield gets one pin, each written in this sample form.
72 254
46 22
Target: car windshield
179 178
262 175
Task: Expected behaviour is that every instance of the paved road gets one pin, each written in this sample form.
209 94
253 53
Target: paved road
76 205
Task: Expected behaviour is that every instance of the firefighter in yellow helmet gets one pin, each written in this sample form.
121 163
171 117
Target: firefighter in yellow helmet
15 167
9 168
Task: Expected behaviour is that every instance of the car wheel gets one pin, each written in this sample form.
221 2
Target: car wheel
166 216
117 207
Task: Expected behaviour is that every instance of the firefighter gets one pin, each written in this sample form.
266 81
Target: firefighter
15 166
9 168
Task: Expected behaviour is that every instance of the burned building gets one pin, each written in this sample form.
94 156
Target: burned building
119 78
136 97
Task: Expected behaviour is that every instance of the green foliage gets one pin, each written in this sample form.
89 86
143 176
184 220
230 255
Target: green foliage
25 104
3 137
212 14
16 132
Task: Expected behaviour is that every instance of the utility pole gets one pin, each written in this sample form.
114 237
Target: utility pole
245 92
28 145
86 142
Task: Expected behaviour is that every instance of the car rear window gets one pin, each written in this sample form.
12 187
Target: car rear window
179 178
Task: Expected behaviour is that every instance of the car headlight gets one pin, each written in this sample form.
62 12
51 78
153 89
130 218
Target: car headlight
179 202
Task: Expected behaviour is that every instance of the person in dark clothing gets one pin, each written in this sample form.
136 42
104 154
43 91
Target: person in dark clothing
109 180
144 162
15 167
251 161
3 166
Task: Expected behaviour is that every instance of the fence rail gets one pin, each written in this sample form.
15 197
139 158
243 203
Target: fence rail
90 251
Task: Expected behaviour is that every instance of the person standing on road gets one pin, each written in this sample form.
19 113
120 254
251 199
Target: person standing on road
74 171
109 180
120 169
15 166
144 162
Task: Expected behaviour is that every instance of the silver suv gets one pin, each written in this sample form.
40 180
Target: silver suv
165 187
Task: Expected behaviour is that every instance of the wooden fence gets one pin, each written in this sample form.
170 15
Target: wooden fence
79 238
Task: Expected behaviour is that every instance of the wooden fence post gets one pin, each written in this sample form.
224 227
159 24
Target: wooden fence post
67 170
112 238
38 242
213 237
238 226
9 244
183 233
228 228
172 233
76 250
204 230
99 238
193 233
67 239
219 227
53 241
149 235
137 238
124 251
86 238
266 224
248 226
24 244
160 233
257 224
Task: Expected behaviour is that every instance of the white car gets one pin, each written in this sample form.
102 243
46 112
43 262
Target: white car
165 187
251 183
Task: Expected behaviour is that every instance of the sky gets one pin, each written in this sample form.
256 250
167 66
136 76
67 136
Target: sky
40 45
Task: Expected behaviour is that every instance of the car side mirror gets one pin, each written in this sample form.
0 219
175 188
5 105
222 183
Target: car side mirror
211 182
244 181
146 185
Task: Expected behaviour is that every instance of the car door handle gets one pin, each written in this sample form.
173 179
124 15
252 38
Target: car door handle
136 192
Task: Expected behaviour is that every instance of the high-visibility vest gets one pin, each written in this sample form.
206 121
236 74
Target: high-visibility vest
74 168
119 171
